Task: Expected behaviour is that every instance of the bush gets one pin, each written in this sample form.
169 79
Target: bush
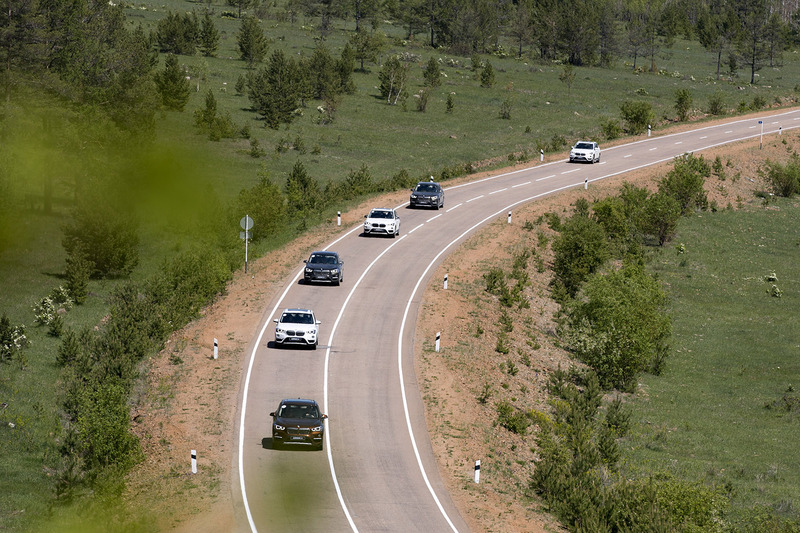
716 104
619 325
78 271
783 179
106 235
683 103
513 420
637 116
580 249
12 339
611 129
685 182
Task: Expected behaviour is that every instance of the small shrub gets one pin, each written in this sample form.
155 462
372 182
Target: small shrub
511 419
505 109
716 104
485 393
450 104
611 129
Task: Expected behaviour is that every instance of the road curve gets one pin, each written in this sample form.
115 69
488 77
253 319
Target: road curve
377 471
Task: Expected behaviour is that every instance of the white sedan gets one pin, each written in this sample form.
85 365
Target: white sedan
381 221
585 151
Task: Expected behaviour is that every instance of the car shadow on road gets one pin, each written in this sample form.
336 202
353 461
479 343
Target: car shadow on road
268 444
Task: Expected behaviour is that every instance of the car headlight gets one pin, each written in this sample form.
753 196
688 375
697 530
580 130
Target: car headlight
316 429
413 196
280 330
278 427
308 270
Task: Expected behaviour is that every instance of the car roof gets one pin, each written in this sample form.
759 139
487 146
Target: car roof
427 183
297 401
381 209
297 310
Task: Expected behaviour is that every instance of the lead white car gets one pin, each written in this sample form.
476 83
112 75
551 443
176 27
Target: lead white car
585 151
381 221
297 326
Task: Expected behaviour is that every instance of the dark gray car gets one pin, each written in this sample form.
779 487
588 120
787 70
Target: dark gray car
324 266
427 194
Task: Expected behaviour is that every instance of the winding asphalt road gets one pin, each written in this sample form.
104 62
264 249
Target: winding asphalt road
377 471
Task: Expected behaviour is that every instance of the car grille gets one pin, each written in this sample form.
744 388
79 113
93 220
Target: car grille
298 431
291 333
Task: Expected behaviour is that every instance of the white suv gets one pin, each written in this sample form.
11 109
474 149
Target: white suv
297 326
382 222
585 151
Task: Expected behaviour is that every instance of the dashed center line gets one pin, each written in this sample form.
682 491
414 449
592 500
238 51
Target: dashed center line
455 206
656 148
471 199
415 229
520 184
626 156
547 177
679 142
434 217
704 137
731 131
569 171
498 190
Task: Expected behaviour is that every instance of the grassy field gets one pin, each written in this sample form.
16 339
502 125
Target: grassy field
389 138
725 411
366 131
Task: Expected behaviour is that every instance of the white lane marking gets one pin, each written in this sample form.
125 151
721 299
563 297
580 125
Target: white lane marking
471 199
498 190
415 229
704 137
626 156
776 122
751 127
569 171
403 326
246 390
434 217
679 142
731 131
520 184
547 177
455 206
656 148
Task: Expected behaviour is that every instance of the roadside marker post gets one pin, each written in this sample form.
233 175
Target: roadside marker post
216 349
194 461
438 340
477 470
586 184
541 154
509 217
338 218
648 130
761 137
445 282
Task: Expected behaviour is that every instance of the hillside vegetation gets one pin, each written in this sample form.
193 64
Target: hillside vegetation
136 135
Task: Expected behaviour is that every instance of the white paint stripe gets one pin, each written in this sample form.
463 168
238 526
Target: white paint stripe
498 190
570 171
434 217
704 137
520 184
415 229
679 142
546 177
477 197
454 207
731 131
627 156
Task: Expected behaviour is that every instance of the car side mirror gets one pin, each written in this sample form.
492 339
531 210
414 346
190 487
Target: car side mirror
272 414
365 216
305 261
324 417
275 320
319 322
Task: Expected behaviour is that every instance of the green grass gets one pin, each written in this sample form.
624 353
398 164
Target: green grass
389 138
735 351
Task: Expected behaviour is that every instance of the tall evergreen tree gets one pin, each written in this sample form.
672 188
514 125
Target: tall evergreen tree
252 42
209 36
275 90
173 85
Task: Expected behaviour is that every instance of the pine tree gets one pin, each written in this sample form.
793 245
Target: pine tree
252 42
275 90
487 76
173 85
209 36
432 74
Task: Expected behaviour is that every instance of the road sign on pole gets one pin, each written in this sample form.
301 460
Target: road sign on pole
761 138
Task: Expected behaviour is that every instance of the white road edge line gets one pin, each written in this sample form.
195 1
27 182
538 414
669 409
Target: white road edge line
405 316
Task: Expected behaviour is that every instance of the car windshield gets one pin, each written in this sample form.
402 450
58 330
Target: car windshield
297 318
323 259
584 146
426 187
289 410
380 214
